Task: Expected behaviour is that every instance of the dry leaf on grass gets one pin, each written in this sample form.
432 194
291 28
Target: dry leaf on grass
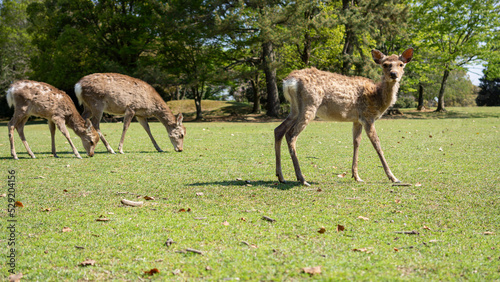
169 242
363 218
342 175
427 228
148 198
102 219
176 272
418 184
87 262
489 233
362 250
184 210
3 195
66 229
19 204
396 249
225 223
312 270
397 201
322 230
15 277
199 194
46 210
152 271
340 228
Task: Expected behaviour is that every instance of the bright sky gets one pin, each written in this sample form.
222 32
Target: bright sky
475 73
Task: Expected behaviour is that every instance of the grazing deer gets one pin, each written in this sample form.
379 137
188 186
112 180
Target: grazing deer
332 96
31 98
124 95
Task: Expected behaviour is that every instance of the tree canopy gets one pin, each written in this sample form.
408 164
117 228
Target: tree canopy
208 49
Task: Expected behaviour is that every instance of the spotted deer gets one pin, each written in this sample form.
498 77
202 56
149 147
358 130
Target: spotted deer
32 98
332 96
124 95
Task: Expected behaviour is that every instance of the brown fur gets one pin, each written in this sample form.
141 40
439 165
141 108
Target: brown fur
124 95
31 98
332 96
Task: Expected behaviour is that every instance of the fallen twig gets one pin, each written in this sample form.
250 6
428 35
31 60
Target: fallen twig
131 203
268 219
194 251
413 232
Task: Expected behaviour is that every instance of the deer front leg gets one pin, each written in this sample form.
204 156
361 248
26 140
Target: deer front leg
96 121
144 122
279 132
357 129
129 115
52 128
372 134
62 127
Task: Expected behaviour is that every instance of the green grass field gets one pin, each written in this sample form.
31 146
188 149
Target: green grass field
225 181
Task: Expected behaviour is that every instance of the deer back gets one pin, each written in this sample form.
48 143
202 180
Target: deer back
114 93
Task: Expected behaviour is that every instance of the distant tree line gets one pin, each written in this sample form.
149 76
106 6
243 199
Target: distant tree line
199 49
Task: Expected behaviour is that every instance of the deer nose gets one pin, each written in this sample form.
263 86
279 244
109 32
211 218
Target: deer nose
178 149
394 75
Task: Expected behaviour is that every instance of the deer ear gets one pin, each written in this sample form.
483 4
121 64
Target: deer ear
377 56
406 56
179 119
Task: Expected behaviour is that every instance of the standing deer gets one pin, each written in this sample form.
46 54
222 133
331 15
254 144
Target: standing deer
31 98
124 95
332 96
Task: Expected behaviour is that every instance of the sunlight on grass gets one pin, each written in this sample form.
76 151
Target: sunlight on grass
225 181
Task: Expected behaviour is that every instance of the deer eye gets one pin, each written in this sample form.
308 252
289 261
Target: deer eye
401 65
386 65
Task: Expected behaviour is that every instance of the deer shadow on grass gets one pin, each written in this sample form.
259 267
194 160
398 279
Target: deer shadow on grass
268 184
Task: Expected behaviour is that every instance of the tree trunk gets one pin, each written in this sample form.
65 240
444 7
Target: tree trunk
256 94
440 107
349 39
197 102
273 102
420 97
306 52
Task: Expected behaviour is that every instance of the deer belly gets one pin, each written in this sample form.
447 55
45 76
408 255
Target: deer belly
336 112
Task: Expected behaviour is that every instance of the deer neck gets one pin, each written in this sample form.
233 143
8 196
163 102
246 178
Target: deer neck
387 92
165 116
77 124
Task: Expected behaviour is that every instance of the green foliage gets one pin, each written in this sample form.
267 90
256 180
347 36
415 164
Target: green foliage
489 95
15 47
457 202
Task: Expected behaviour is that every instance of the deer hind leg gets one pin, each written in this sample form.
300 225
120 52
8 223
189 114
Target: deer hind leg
357 129
129 115
291 139
18 122
279 133
96 121
372 134
62 127
52 128
144 122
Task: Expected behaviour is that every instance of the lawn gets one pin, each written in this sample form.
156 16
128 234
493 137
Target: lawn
213 196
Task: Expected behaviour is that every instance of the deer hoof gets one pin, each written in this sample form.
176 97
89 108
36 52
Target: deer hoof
305 183
78 156
121 152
